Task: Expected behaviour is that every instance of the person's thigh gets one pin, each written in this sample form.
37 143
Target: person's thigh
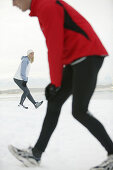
19 83
84 82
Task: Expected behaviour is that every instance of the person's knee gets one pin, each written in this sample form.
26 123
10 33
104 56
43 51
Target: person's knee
79 113
26 92
54 105
76 115
53 112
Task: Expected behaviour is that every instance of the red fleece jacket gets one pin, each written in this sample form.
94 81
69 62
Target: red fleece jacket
68 35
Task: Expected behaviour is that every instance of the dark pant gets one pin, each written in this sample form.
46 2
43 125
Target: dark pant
26 92
80 81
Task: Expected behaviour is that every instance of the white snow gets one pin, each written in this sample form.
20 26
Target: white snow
71 147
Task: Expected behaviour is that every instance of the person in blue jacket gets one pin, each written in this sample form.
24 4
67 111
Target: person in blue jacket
21 79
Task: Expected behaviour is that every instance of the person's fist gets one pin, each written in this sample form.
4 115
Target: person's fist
51 91
24 83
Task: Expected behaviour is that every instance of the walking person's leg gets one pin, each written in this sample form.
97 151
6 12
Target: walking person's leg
84 83
30 97
26 93
53 111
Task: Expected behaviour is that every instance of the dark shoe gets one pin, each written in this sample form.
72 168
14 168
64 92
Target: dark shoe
25 107
37 104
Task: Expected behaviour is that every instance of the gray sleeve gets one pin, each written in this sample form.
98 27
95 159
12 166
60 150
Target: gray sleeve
24 65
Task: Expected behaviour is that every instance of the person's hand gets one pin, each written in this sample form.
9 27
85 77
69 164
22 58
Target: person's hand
51 91
24 83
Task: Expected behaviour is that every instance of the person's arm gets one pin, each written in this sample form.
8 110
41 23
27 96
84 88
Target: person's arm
54 32
23 69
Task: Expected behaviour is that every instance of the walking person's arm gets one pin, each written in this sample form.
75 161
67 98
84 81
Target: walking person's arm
24 65
54 30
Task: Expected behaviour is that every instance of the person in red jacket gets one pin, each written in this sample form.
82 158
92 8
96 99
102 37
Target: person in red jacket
75 56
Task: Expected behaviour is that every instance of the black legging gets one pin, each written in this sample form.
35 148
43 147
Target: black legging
80 81
26 92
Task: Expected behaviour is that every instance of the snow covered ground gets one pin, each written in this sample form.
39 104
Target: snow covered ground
71 147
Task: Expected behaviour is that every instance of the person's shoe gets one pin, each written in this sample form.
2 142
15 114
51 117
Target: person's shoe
21 105
106 165
37 104
25 156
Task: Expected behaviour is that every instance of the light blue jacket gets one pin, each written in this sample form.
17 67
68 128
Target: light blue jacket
23 69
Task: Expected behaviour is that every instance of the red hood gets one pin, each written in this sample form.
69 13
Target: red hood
34 8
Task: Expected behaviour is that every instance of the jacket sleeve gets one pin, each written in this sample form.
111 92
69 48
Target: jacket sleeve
54 33
23 69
